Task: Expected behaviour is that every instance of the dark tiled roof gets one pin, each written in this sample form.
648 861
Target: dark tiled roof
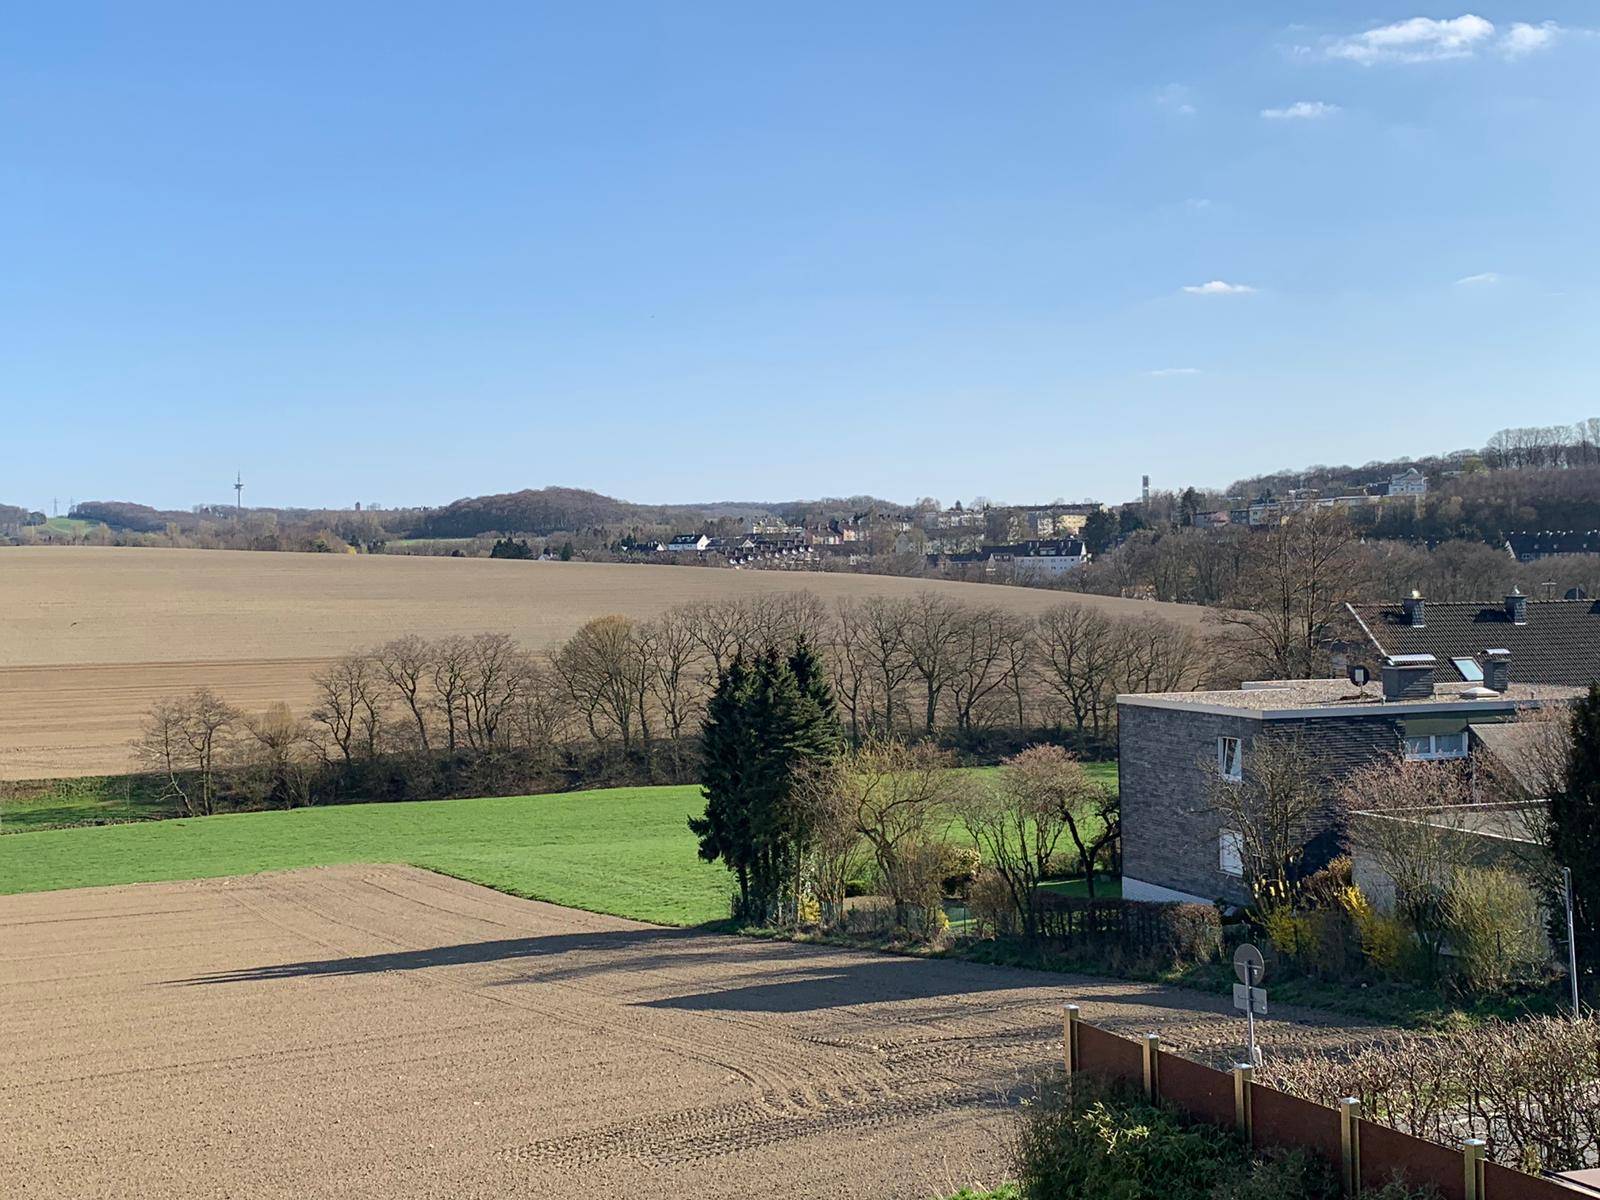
1553 541
1560 643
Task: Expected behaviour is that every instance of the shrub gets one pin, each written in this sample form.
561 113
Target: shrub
1494 928
1091 1141
1191 933
958 866
992 907
1097 1143
1383 938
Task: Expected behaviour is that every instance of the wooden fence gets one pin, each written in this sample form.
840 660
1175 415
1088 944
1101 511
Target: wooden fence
1368 1154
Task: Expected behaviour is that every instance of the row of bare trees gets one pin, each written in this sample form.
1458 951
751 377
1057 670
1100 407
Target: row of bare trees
920 666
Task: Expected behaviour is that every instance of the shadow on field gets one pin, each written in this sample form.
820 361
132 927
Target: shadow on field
760 976
504 950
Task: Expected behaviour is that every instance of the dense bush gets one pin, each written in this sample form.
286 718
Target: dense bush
1494 929
1087 1141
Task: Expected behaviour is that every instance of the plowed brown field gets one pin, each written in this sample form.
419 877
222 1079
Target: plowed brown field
389 1033
90 636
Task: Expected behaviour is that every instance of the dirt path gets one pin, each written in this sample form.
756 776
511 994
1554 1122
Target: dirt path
387 1032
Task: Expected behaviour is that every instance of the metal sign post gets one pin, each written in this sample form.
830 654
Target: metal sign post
1250 967
1572 945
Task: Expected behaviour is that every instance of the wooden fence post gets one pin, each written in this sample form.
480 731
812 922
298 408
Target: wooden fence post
1243 1074
1152 1067
1472 1166
1069 1036
1350 1144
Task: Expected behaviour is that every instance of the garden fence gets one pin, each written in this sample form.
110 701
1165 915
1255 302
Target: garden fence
1368 1154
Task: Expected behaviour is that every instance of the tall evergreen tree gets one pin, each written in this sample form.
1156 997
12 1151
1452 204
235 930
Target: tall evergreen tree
1575 828
726 747
761 724
820 716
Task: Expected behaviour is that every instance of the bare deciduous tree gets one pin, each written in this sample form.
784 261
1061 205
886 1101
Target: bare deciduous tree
275 770
350 705
932 637
1017 821
186 740
891 794
600 666
1296 579
406 664
1273 809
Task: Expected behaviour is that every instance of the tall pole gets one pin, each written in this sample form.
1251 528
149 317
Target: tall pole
1572 944
1250 1011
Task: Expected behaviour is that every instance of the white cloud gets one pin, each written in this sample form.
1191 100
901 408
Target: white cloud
1163 372
1480 280
1217 287
1417 39
1301 110
1523 38
1430 39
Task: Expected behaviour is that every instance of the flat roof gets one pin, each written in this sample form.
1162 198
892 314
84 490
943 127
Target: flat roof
1289 698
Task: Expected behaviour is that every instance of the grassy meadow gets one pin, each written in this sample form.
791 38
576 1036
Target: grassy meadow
625 851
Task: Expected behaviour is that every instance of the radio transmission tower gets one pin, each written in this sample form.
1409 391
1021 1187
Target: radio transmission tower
238 495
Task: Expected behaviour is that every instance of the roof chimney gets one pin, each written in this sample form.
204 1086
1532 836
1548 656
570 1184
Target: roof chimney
1496 669
1408 676
1412 607
1517 607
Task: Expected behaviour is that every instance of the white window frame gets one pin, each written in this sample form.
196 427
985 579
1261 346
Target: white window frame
1470 669
1433 752
1230 853
1237 773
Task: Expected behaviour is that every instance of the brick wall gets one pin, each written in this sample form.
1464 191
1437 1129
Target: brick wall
1169 838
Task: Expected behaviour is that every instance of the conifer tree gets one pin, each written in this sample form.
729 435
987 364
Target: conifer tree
762 723
726 748
1575 827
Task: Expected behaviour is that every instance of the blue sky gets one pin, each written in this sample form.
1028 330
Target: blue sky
400 253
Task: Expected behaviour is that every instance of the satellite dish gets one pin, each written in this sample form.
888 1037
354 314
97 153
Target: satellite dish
1359 675
1577 593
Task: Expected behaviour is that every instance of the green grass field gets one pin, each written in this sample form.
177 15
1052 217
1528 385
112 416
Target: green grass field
69 525
626 851
98 800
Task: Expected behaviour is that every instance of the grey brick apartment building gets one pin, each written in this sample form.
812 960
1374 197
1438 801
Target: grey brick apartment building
1174 848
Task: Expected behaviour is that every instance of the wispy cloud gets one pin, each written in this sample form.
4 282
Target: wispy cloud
1301 110
1218 287
1433 39
1479 280
1164 372
1418 39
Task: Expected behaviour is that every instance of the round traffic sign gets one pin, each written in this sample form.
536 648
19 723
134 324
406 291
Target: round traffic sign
1248 965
